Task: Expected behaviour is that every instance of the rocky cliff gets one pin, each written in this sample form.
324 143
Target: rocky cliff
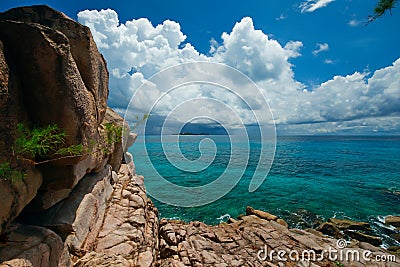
87 206
52 75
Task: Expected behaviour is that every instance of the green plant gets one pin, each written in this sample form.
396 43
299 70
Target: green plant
72 150
114 132
339 264
9 174
43 142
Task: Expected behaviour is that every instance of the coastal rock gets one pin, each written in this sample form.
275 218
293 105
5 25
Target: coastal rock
117 150
90 63
393 221
69 88
396 237
330 229
261 214
79 217
130 225
373 240
16 263
16 194
248 242
344 224
395 250
33 245
96 259
282 222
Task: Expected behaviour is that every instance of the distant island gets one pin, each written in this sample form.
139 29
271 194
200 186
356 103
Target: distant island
189 133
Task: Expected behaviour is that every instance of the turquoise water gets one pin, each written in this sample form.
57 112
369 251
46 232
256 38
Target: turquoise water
310 178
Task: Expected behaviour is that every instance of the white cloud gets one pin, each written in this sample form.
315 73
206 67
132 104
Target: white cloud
328 61
354 23
321 48
293 48
281 17
137 45
312 5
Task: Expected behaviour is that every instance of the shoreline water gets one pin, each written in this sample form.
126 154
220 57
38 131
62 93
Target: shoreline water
350 177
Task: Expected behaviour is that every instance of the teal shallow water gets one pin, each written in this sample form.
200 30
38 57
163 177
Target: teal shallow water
311 177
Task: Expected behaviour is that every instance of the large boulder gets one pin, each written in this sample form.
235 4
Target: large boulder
90 63
52 73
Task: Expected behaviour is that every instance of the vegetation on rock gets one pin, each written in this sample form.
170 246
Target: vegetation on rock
42 143
114 133
10 174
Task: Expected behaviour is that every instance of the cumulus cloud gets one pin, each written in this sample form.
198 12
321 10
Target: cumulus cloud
135 50
312 5
321 48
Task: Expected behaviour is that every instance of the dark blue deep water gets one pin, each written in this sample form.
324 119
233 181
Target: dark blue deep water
312 177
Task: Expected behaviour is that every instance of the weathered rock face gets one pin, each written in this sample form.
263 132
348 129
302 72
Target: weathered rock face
4 107
15 195
90 63
52 73
130 226
33 246
82 212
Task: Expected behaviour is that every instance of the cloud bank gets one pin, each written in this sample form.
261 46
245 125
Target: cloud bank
136 50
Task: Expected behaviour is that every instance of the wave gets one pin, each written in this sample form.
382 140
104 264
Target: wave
224 218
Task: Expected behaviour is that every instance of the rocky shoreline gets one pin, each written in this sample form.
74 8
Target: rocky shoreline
92 209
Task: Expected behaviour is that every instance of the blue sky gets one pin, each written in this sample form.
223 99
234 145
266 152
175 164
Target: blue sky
327 39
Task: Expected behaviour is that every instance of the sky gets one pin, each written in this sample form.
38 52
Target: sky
321 69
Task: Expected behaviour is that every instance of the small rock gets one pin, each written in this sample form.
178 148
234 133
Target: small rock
282 222
373 240
240 216
145 259
396 237
196 224
394 248
261 214
344 224
231 220
393 221
330 229
16 263
354 243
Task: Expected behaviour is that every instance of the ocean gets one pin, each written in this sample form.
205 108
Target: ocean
311 178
